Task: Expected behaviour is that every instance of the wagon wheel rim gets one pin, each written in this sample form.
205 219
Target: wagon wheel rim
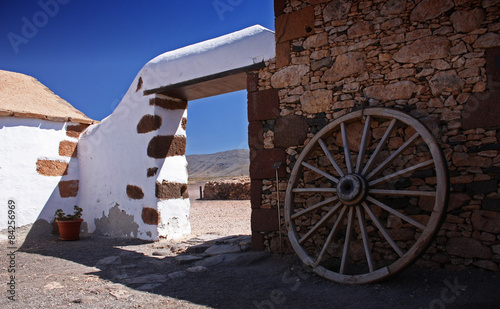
353 192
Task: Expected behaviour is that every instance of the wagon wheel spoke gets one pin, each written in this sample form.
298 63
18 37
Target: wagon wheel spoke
382 230
402 192
364 235
320 223
390 177
314 190
314 207
347 152
381 144
391 158
395 212
330 157
364 142
317 170
347 242
333 232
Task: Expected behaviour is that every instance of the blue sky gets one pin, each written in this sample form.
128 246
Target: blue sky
88 52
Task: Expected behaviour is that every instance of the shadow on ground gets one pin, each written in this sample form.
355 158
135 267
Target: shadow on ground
245 279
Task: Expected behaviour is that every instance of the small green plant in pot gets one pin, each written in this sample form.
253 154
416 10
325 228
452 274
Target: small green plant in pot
69 225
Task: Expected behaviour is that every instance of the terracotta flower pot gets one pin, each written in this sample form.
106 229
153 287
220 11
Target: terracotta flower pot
69 230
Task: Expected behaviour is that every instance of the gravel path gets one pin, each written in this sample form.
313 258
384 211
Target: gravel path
103 272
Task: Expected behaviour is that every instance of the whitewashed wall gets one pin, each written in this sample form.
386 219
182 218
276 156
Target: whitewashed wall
22 143
113 155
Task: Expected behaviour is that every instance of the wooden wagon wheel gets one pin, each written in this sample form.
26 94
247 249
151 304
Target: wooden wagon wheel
366 196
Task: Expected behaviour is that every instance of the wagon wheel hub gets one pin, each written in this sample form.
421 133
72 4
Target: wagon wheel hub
352 189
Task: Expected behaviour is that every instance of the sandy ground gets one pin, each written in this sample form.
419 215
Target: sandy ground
218 217
104 272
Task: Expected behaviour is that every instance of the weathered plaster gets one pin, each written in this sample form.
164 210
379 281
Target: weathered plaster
24 142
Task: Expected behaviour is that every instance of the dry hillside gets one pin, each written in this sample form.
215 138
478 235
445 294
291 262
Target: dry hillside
222 164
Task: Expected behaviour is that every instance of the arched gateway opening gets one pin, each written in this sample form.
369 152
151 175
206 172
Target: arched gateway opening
150 191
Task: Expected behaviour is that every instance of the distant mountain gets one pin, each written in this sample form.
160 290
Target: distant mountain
222 164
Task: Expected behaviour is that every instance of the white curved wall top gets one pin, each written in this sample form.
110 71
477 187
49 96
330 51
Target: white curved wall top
232 51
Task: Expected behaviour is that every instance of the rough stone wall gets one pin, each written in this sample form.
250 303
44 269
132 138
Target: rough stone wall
231 189
437 60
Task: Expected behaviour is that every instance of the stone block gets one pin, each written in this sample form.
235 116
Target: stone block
256 193
403 90
282 55
163 146
290 131
135 192
316 40
457 200
68 188
51 167
169 103
446 82
393 7
262 161
486 221
463 159
171 190
467 248
424 49
152 171
488 40
360 29
336 10
76 130
256 135
257 241
263 105
317 101
68 149
345 65
149 123
429 9
252 82
150 216
324 62
290 76
279 7
294 25
264 220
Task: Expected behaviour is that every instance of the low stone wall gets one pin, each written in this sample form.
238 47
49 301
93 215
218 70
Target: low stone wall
233 189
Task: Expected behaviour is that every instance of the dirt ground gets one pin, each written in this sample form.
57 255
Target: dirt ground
103 272
218 217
